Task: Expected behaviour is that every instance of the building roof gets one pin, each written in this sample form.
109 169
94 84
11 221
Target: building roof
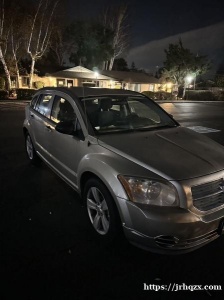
79 69
80 72
132 77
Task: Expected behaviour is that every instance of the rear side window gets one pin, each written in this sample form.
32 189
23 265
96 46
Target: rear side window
34 101
42 105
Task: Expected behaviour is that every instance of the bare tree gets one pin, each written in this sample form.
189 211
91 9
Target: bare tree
116 20
40 30
16 45
58 46
16 40
4 35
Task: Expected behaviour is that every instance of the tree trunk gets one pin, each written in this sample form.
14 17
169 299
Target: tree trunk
104 65
7 74
111 63
184 92
31 72
17 78
194 82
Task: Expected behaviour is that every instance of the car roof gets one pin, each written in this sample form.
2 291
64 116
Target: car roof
81 92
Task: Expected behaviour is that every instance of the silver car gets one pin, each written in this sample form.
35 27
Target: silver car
136 169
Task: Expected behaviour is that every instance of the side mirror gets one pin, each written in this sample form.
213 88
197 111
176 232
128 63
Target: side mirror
65 127
68 127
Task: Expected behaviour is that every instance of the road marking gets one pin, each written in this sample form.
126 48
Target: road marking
202 129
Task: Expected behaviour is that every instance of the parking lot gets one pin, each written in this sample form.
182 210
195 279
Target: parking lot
47 250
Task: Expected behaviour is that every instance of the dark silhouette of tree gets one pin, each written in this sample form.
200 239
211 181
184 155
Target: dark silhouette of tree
120 64
92 43
133 67
115 18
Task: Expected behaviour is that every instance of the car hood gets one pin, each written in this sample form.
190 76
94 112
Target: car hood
174 153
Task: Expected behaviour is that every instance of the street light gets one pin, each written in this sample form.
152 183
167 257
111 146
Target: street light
189 79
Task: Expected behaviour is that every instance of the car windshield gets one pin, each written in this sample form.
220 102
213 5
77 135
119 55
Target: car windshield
130 113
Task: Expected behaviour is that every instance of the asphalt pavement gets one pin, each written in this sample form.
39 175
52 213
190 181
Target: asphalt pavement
47 250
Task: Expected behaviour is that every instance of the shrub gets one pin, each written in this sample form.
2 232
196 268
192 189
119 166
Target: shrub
149 94
38 84
200 95
2 83
25 94
163 95
158 95
3 94
220 96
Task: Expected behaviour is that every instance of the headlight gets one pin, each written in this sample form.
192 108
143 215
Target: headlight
148 191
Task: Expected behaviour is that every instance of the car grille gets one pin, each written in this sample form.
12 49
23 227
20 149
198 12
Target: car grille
209 195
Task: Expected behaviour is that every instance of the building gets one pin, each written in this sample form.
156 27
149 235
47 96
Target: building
80 76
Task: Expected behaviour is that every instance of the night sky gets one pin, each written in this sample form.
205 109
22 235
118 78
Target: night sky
155 24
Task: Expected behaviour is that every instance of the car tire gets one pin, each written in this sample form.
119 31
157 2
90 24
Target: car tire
30 150
102 212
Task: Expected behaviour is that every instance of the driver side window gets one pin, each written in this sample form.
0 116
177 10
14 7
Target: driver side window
62 110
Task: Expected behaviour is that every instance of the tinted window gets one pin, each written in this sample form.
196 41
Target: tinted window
34 101
43 103
62 110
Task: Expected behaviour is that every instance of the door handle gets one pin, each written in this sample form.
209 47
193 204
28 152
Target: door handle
31 115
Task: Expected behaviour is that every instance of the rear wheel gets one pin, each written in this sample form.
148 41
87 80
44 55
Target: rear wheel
102 211
30 150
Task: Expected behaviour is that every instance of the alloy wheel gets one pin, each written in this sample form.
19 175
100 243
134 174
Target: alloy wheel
98 210
29 147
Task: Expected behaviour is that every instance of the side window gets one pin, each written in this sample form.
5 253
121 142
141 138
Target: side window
62 110
34 101
42 105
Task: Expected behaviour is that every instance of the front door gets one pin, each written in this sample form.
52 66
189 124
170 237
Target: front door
65 150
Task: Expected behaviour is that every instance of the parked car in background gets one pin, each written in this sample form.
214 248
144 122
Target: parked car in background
137 170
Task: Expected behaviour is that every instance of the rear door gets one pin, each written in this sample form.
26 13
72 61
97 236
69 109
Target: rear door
39 115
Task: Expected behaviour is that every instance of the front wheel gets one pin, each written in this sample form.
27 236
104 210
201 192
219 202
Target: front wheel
30 150
102 211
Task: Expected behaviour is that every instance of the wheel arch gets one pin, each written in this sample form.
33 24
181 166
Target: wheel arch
25 131
90 174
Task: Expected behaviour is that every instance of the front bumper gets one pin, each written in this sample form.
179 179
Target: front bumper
169 230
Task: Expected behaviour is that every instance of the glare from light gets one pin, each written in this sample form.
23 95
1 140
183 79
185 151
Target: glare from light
169 85
189 78
96 74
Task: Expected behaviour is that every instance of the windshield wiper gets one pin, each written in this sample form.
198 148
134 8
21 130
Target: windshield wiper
115 131
146 128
